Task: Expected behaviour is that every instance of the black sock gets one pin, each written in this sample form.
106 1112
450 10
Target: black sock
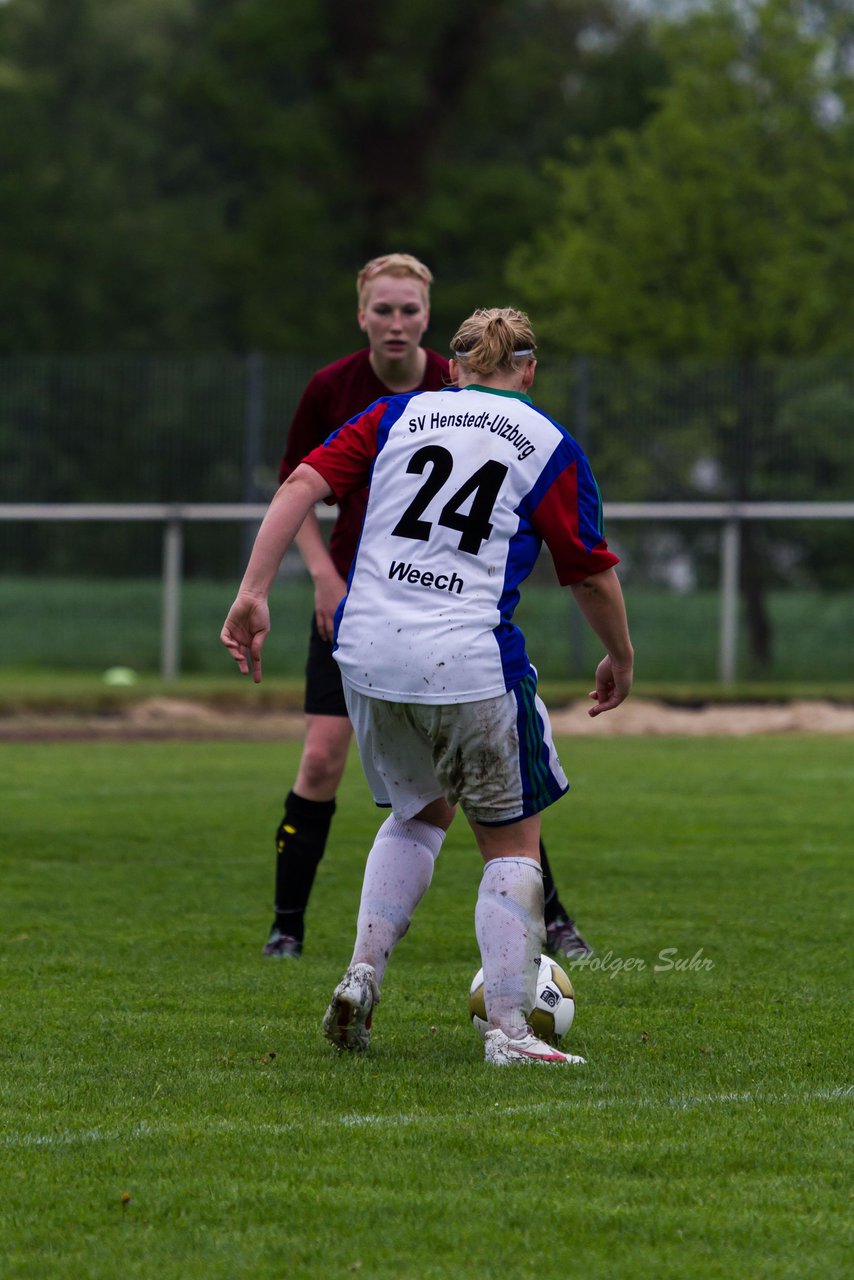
554 909
300 842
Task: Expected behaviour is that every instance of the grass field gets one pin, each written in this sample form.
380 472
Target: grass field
169 1108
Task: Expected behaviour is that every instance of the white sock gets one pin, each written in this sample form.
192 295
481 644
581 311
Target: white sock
397 875
511 935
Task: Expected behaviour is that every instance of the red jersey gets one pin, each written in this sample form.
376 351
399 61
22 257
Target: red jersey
333 396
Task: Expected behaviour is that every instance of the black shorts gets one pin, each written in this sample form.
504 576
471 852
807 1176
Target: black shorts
324 693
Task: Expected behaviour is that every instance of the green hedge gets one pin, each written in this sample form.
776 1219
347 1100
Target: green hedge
80 624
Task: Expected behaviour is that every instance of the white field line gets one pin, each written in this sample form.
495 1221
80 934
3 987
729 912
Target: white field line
146 1129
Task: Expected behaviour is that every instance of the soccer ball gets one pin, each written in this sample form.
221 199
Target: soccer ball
553 1011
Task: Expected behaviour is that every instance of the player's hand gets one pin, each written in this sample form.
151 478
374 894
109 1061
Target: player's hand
328 594
244 632
613 682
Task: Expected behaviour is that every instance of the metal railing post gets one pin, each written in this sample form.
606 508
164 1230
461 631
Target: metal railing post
730 566
170 635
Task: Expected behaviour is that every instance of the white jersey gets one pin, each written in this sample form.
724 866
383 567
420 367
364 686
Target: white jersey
464 486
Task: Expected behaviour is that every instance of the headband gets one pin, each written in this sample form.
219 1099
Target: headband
464 355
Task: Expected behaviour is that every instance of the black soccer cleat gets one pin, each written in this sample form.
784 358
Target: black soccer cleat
563 939
281 946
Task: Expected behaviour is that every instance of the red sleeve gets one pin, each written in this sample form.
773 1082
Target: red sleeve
309 427
572 535
346 458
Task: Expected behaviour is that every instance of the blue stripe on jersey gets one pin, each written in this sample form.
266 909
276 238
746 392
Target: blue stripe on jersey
394 407
591 529
561 458
525 545
540 787
522 552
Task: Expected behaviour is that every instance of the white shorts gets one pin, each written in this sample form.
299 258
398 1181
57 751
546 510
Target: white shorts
495 757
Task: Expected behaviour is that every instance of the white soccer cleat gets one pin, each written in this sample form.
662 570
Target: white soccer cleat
347 1021
501 1051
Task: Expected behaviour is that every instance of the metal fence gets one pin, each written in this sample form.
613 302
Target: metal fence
714 476
212 428
728 519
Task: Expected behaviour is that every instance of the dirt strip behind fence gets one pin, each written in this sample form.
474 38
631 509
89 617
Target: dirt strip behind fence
174 718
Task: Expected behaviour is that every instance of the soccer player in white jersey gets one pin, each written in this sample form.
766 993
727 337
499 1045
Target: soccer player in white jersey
465 484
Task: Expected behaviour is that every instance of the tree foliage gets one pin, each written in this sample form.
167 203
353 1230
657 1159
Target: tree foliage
181 176
719 230
201 174
92 249
721 227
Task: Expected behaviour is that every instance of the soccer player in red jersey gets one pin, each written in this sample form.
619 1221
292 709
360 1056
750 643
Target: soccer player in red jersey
393 311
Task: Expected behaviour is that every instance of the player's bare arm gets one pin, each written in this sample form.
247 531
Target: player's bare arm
600 598
329 586
248 621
